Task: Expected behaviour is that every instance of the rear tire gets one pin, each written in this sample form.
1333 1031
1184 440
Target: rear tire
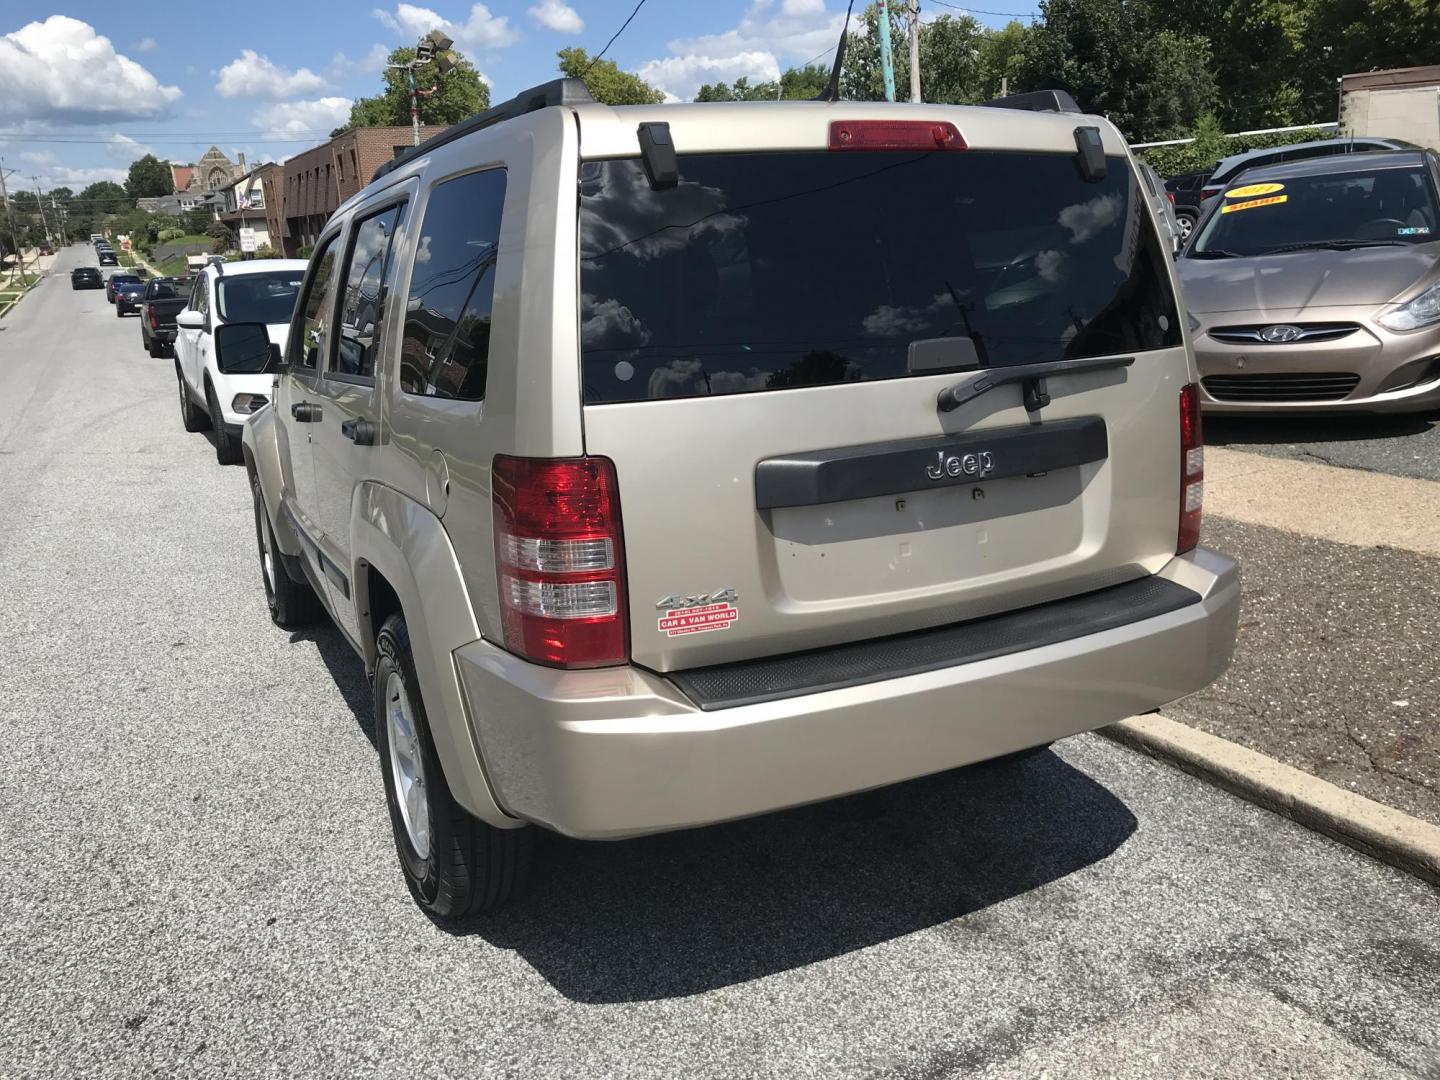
292 603
191 417
227 447
454 864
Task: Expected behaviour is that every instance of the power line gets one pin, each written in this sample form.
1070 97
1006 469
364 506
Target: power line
982 11
613 36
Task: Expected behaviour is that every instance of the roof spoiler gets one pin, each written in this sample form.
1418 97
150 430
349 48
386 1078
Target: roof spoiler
555 92
1036 101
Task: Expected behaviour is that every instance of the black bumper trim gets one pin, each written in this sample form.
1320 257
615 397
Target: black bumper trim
773 678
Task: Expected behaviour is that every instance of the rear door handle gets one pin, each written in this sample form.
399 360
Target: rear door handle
360 432
305 412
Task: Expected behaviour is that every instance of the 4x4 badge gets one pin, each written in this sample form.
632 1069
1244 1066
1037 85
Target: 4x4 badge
671 603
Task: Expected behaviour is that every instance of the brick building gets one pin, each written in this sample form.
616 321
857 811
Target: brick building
318 180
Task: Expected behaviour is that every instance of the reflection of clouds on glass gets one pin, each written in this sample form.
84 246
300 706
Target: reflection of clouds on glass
1048 263
1086 219
422 255
892 320
609 324
687 378
625 215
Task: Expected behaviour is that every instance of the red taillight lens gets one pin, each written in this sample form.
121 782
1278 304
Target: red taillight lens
154 322
895 135
1208 192
559 556
1171 196
1192 470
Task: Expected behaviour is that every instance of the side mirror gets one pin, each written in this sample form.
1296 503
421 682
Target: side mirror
244 349
190 319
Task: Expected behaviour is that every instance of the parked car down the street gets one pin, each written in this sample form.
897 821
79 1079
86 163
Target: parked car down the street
127 297
1228 168
107 258
86 277
727 494
1316 286
115 280
1184 191
163 299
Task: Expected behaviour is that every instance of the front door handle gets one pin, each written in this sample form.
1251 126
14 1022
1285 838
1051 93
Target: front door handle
360 432
305 412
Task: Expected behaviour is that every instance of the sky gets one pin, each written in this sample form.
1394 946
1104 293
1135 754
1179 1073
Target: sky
86 88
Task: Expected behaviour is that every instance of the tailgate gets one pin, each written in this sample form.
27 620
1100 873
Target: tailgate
763 347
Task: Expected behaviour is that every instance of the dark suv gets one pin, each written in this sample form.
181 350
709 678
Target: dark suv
86 277
1184 192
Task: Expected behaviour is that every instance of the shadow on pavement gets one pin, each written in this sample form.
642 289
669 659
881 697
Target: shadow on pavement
346 668
682 913
1268 430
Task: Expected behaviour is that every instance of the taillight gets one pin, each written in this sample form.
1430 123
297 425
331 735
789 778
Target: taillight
1171 196
559 557
154 322
895 135
1192 470
1211 191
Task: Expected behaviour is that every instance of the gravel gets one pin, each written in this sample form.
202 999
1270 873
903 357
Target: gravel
199 879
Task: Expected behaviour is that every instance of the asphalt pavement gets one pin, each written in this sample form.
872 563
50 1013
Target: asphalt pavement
1402 445
198 876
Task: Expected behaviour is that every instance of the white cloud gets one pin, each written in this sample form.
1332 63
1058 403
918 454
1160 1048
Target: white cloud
765 41
62 70
558 16
75 179
300 119
126 148
43 158
480 31
148 44
372 63
251 75
1095 215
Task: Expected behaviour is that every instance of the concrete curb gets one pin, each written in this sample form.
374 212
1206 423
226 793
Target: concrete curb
1377 830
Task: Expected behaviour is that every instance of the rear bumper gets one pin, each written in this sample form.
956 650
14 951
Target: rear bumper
622 751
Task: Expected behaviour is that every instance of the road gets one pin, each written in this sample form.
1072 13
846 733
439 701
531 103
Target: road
198 875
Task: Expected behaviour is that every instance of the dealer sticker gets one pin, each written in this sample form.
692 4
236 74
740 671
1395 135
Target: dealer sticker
1251 204
697 620
1252 191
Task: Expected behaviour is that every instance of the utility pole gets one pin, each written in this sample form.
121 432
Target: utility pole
431 49
914 50
14 240
40 205
887 61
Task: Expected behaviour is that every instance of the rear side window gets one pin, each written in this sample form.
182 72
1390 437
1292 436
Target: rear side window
315 327
762 272
267 297
362 309
200 301
446 347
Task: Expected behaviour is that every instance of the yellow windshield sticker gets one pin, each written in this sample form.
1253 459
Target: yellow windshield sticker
1273 200
1251 191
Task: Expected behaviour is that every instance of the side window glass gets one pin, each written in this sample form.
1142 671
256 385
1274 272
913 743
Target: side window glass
201 300
446 348
314 327
362 308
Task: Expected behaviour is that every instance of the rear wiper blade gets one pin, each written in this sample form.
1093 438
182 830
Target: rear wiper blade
1335 245
952 397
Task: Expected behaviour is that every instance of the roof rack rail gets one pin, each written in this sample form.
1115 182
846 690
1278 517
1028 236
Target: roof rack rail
555 92
1036 101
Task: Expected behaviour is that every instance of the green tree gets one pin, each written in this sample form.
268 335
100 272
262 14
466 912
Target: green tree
1117 57
1346 36
1002 59
443 99
796 84
606 81
149 177
197 220
104 197
950 52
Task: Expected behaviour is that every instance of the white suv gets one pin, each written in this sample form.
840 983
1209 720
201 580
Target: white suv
262 291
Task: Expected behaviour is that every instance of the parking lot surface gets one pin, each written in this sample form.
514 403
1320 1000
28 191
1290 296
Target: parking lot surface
199 877
1399 445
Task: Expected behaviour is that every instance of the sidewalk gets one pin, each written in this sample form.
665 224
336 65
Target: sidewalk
1337 664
